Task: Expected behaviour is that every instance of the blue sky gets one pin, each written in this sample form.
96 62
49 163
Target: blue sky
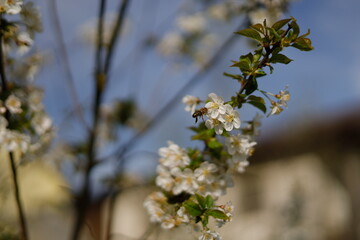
324 83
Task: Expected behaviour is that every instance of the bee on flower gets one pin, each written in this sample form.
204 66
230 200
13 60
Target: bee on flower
215 106
200 113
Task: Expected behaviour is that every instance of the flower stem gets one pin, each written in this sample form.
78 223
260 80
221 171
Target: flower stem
22 220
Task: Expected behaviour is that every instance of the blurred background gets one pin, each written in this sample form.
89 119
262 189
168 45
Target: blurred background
302 183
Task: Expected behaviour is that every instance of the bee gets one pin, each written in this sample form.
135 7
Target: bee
199 113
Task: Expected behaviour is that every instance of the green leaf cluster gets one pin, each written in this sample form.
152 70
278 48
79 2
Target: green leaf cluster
202 208
271 42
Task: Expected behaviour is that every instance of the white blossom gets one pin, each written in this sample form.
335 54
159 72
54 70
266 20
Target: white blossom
191 103
283 96
13 104
219 11
210 235
185 181
153 203
24 43
164 179
173 156
228 209
215 106
41 123
276 108
230 119
35 100
2 107
192 23
239 144
216 124
14 141
239 163
171 44
182 215
10 6
240 147
205 172
168 222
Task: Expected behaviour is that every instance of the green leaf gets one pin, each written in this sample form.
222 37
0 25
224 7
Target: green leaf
192 208
258 27
250 33
280 58
201 200
274 35
259 73
201 127
214 143
303 44
257 57
305 35
258 105
205 220
234 76
204 135
256 99
251 86
279 24
195 156
209 201
217 214
295 29
249 58
244 65
271 69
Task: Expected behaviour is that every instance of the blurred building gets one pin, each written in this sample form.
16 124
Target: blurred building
301 185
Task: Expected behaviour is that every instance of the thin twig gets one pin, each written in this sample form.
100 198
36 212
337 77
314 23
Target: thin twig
59 37
115 35
21 214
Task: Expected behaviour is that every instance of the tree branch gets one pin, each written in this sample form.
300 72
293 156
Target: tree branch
65 60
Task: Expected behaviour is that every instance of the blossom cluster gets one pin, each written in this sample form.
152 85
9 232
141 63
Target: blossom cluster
182 174
24 125
10 6
179 176
221 116
282 98
176 175
20 37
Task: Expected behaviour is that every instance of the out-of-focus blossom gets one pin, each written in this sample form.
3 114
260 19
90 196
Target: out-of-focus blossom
191 103
192 23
